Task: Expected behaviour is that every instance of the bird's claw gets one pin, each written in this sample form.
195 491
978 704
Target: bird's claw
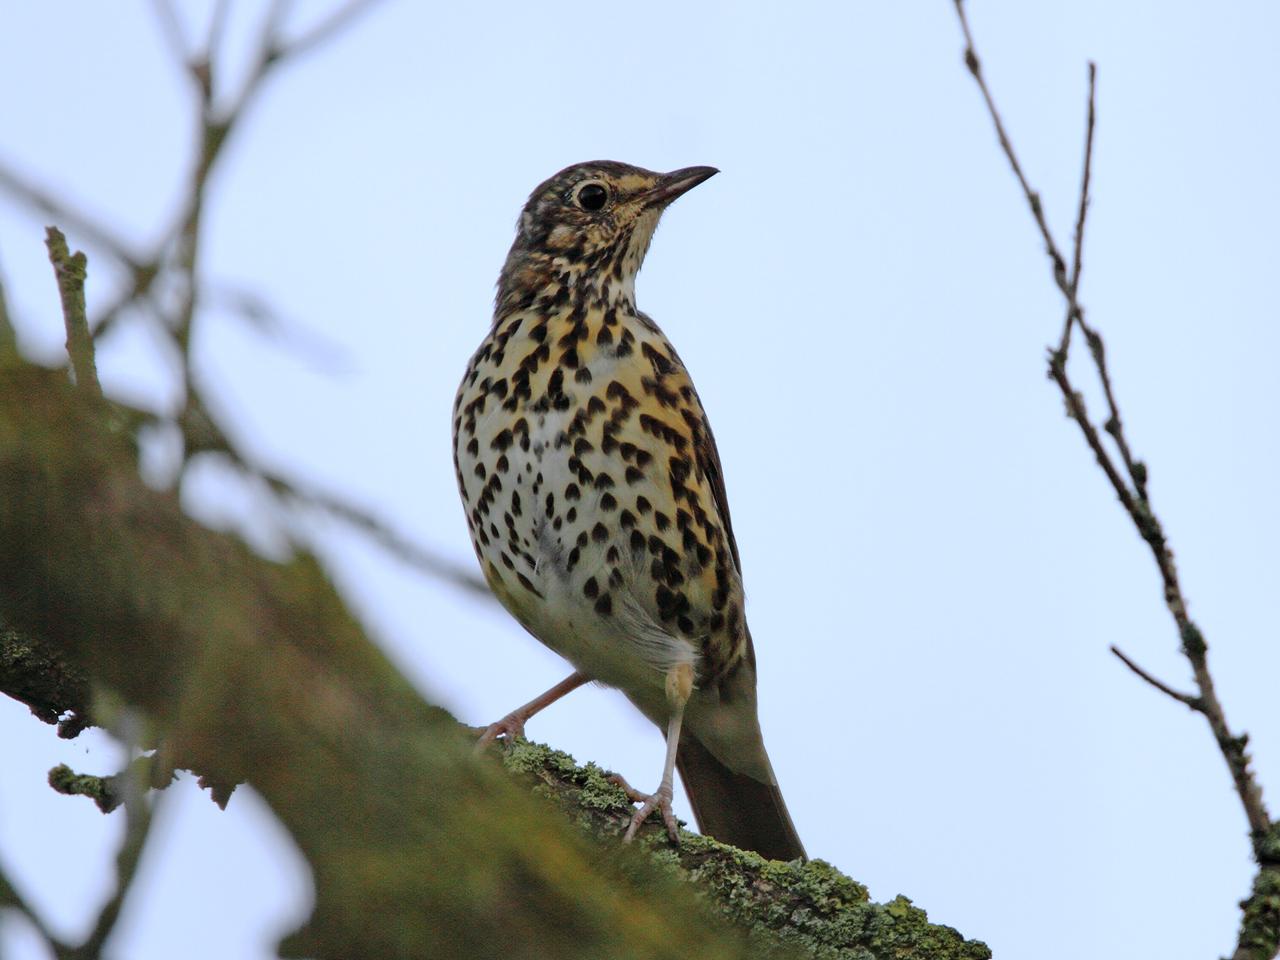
649 802
510 726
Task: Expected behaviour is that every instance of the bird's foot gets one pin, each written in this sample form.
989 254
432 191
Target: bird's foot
649 802
510 726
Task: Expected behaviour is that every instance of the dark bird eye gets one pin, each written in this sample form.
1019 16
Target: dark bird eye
593 197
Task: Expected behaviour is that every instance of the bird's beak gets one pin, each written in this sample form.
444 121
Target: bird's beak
673 184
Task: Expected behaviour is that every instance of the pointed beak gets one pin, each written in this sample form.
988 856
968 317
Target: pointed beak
676 183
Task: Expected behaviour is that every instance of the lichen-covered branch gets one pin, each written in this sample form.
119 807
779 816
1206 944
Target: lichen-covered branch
811 905
37 674
252 670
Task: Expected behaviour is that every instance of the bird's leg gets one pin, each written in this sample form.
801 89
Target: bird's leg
513 723
679 687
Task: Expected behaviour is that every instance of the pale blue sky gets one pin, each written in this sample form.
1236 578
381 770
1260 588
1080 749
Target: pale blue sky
863 302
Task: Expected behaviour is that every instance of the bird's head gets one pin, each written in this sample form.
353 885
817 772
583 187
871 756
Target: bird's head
588 228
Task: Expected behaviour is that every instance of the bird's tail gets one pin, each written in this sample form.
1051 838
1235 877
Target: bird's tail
735 808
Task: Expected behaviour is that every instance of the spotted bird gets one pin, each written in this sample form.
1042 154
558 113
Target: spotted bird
596 503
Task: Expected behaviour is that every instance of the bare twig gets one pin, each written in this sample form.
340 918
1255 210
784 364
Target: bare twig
138 816
329 26
1073 305
70 269
1033 199
381 533
12 898
1164 688
217 24
1258 938
171 30
88 230
269 321
202 434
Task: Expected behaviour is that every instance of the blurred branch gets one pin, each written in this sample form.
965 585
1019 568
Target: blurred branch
255 670
1260 932
85 227
38 675
251 670
131 786
8 336
202 434
265 318
70 270
329 26
153 771
174 266
11 898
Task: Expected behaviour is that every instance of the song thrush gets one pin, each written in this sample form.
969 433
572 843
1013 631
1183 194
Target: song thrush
595 500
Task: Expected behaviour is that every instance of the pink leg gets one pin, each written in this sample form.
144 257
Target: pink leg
512 725
679 687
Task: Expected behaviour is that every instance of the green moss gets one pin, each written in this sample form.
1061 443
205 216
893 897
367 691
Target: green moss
788 909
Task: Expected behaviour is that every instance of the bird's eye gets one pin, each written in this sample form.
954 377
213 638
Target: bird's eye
592 196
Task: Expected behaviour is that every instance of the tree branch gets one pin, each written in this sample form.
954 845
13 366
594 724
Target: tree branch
70 269
1260 931
255 670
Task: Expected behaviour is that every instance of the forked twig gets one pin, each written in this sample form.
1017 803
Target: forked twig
1260 928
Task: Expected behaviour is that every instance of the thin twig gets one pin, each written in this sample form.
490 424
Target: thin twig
1188 699
1033 199
268 320
133 783
10 897
329 27
381 533
1135 501
1073 305
82 226
217 25
70 269
202 434
171 30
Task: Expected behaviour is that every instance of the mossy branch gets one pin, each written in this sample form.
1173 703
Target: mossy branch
253 670
71 269
810 906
